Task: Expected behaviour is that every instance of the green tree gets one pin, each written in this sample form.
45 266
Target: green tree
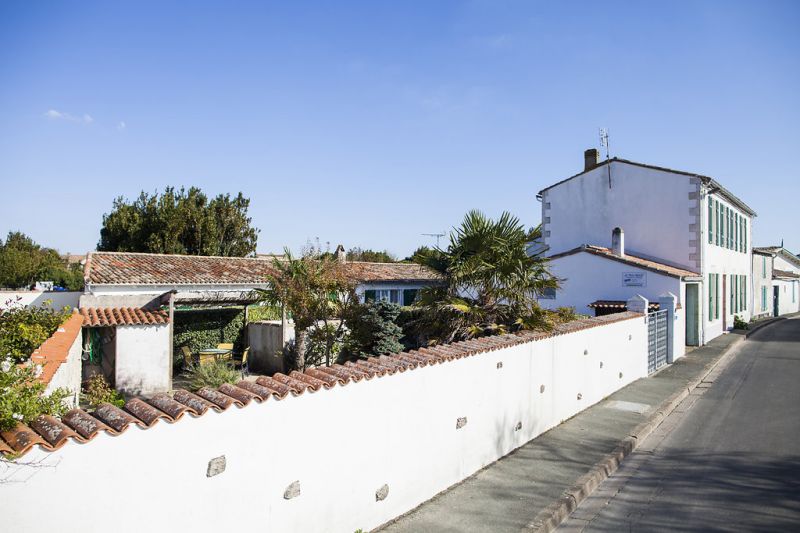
373 330
371 256
317 291
24 262
491 282
180 222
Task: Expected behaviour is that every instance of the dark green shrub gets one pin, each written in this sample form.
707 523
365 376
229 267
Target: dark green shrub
373 330
738 323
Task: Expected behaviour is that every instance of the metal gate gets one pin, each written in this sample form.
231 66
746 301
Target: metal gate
657 325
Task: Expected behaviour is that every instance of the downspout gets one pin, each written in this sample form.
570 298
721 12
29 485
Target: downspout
171 336
700 247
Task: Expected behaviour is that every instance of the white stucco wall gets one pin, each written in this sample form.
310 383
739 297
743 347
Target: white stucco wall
142 359
68 374
588 277
397 430
761 277
720 260
58 299
651 206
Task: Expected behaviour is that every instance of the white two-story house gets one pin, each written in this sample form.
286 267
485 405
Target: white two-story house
674 231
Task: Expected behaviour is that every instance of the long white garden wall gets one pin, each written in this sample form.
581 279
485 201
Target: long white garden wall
318 462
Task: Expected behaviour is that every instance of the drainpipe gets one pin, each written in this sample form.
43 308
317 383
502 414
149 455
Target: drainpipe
171 337
704 192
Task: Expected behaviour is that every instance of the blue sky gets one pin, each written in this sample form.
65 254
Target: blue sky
370 123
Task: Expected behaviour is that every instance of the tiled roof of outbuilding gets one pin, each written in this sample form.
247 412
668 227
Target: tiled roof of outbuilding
82 426
127 268
633 260
95 317
55 350
377 272
784 274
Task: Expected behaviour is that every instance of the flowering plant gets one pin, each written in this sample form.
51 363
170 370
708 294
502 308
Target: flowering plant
22 397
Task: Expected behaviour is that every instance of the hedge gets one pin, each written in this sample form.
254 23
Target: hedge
205 328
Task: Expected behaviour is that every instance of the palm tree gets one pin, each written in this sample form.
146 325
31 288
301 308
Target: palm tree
314 289
491 282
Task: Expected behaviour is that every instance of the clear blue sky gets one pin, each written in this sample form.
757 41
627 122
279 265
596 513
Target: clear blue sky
370 123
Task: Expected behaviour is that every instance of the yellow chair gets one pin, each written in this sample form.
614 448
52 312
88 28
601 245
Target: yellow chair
187 356
242 363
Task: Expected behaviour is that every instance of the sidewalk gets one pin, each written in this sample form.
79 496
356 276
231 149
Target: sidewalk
526 489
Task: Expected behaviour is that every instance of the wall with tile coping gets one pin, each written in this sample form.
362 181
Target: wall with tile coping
417 432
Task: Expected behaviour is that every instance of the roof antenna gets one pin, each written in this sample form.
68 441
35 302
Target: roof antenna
437 235
604 142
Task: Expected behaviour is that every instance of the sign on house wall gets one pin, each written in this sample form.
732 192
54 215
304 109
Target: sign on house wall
634 279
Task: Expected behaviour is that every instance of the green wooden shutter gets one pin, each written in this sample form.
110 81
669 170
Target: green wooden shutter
710 297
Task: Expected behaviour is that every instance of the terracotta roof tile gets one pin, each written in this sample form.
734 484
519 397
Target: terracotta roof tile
96 317
127 268
784 274
80 425
647 264
54 351
619 304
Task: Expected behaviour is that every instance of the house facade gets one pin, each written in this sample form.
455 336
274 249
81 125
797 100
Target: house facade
776 281
669 218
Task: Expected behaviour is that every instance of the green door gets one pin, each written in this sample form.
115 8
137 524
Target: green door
692 314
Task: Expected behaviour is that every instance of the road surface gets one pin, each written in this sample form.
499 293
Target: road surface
728 459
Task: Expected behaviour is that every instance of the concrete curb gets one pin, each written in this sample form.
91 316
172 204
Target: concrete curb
762 324
551 516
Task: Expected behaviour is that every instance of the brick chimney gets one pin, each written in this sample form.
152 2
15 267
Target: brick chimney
590 159
618 242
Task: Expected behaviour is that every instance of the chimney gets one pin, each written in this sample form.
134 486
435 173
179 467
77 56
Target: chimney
618 242
340 255
590 159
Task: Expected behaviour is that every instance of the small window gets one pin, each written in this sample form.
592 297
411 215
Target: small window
710 220
409 296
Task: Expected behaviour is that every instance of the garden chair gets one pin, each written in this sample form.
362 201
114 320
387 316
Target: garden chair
187 357
242 363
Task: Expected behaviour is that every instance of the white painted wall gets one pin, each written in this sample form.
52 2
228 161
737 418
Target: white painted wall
142 359
68 374
58 299
727 262
398 430
761 277
588 277
651 206
266 345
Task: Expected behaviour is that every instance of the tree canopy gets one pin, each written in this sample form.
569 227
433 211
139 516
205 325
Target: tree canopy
372 256
23 262
180 221
492 283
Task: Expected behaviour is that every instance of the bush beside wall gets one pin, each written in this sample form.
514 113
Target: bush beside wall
205 328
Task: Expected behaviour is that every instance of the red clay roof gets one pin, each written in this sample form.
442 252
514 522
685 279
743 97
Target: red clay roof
127 268
79 425
641 262
382 272
95 317
54 351
784 274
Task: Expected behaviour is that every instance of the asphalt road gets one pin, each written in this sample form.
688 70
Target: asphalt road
728 459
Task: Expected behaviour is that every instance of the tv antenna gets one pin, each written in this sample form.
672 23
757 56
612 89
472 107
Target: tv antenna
437 235
604 143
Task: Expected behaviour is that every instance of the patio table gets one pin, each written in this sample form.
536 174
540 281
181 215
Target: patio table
218 354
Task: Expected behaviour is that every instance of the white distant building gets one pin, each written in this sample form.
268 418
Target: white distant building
676 231
776 281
